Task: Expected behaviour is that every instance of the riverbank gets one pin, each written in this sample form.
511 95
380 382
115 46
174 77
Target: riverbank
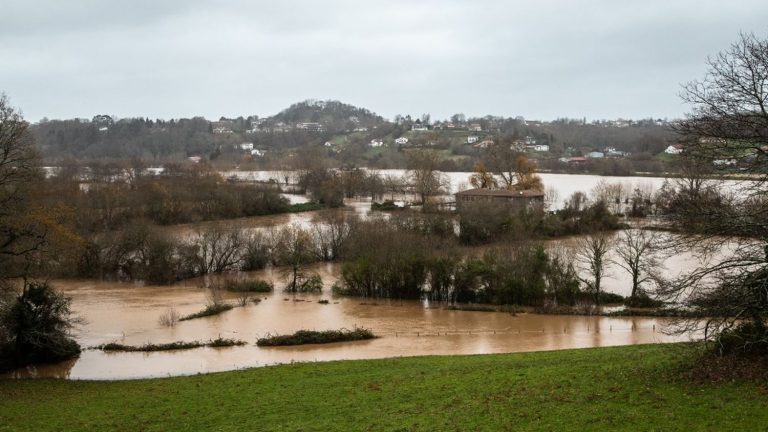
621 388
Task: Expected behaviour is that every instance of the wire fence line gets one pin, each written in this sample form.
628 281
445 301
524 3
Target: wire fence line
511 331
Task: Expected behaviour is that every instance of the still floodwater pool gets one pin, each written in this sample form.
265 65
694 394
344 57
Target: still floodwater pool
128 313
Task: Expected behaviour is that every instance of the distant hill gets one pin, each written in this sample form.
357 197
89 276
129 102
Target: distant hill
332 114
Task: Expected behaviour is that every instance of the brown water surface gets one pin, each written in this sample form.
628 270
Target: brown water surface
128 313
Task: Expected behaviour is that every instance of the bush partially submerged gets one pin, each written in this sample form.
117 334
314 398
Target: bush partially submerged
249 285
213 343
36 328
211 309
303 337
303 207
169 318
387 205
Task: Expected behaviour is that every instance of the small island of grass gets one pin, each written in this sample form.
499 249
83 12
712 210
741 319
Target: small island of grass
304 337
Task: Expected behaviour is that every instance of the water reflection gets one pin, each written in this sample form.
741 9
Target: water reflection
129 313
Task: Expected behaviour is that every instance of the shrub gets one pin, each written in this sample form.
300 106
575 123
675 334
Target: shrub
747 338
303 337
249 285
169 318
303 284
211 309
37 325
149 347
387 205
643 300
611 298
303 207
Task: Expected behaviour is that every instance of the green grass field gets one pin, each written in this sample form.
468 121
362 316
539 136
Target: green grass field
626 388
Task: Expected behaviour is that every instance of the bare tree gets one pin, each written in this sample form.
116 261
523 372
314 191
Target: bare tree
728 119
591 257
501 159
393 184
19 161
425 178
295 249
217 250
636 252
516 171
330 233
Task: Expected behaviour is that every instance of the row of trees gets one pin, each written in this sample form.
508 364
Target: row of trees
107 196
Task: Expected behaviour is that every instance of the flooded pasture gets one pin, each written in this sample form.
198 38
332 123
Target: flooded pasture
129 313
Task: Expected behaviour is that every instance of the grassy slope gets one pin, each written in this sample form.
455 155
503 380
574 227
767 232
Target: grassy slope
627 388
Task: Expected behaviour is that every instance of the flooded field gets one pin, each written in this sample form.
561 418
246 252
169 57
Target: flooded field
128 313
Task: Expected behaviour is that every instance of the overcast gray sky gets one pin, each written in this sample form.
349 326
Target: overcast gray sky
539 59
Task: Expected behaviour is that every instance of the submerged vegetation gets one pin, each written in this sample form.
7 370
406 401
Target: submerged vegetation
149 347
304 337
210 310
249 285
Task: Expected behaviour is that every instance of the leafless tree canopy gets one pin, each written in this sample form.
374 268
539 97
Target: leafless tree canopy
729 120
592 257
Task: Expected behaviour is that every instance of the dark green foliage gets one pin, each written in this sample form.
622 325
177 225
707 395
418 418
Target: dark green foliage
215 343
249 285
562 282
746 338
397 264
306 284
568 221
611 298
387 205
34 327
643 300
303 337
303 207
210 310
514 275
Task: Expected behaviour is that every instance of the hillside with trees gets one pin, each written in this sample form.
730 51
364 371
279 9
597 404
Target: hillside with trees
355 136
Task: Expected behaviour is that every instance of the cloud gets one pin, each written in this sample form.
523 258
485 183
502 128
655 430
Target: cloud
542 59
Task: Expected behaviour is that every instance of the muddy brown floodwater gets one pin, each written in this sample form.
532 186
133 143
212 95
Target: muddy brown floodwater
128 313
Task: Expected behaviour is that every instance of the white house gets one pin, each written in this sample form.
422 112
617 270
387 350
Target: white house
472 139
724 162
311 127
402 140
538 148
674 149
475 127
376 142
419 127
328 144
257 153
595 155
246 146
